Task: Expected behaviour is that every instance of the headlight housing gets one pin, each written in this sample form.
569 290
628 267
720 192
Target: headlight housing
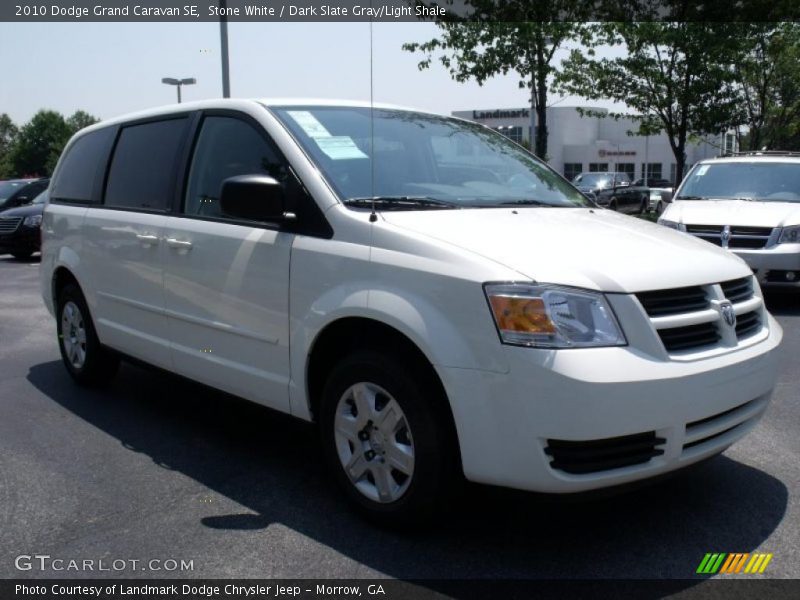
790 235
32 221
548 316
672 224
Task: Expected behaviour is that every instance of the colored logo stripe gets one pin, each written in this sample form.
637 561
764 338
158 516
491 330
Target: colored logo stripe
723 563
710 563
758 563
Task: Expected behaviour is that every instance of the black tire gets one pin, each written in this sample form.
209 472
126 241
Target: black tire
436 471
612 204
22 255
99 364
643 208
659 208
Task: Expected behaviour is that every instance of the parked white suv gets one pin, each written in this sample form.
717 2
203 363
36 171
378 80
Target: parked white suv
436 298
749 204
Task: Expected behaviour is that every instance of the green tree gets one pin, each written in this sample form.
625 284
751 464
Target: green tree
517 36
768 85
39 144
80 119
675 77
8 133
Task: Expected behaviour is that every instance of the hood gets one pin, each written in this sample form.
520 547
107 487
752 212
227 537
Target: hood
734 212
588 248
23 211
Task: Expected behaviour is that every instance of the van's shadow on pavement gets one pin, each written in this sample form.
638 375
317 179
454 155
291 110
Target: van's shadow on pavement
269 463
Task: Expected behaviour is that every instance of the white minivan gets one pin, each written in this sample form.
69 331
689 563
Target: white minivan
442 303
748 203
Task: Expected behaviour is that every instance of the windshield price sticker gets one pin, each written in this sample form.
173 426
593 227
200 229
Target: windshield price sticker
313 128
339 147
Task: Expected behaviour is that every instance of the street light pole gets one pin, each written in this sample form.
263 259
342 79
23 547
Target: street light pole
223 42
178 83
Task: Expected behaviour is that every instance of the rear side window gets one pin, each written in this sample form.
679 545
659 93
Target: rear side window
142 171
82 166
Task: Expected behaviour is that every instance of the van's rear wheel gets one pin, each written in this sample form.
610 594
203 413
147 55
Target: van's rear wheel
86 360
384 439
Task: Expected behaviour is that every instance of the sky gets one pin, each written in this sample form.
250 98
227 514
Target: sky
108 69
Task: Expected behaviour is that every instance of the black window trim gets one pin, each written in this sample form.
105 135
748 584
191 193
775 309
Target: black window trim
191 118
323 230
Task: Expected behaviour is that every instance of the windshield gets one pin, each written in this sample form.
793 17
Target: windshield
445 162
594 180
41 198
763 181
7 189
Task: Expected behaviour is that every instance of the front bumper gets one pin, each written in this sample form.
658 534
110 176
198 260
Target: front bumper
24 239
505 422
771 265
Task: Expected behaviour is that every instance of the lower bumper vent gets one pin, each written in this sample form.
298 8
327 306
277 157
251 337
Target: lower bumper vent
593 456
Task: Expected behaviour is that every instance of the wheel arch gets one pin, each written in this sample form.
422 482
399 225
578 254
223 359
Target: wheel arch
349 333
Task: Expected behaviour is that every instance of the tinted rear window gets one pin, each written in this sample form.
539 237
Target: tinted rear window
80 167
142 170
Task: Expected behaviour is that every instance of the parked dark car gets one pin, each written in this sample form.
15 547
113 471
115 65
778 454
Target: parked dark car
614 190
653 183
20 227
18 192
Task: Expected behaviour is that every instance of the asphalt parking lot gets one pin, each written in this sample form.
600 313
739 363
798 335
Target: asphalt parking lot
155 467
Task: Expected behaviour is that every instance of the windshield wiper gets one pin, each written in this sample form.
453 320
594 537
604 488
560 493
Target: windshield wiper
400 202
690 198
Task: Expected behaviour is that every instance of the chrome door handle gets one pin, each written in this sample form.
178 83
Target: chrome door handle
147 239
176 243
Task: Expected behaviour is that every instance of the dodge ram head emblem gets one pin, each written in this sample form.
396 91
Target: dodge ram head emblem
725 236
726 308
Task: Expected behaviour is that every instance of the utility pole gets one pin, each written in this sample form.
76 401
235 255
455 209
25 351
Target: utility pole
223 41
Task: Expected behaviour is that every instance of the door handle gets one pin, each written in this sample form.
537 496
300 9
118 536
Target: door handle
180 244
147 239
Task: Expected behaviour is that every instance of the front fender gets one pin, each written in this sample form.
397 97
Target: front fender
447 339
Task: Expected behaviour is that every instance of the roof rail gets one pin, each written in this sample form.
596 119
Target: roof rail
763 153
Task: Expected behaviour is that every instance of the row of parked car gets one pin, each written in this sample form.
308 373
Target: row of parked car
21 204
748 203
614 190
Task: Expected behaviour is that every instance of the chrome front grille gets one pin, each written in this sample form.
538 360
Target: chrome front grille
733 236
9 224
693 319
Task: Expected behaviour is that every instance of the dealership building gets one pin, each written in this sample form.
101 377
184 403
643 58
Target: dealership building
581 142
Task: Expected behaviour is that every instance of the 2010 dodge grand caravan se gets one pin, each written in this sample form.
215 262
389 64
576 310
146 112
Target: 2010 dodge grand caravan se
435 297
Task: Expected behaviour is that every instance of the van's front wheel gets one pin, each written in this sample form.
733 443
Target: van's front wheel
384 438
87 361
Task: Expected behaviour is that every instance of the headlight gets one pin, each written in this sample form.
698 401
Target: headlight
790 235
552 317
33 221
672 224
655 195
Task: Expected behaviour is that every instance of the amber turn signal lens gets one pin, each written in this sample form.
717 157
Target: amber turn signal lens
525 315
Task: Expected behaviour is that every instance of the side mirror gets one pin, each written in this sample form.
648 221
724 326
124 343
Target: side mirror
254 198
